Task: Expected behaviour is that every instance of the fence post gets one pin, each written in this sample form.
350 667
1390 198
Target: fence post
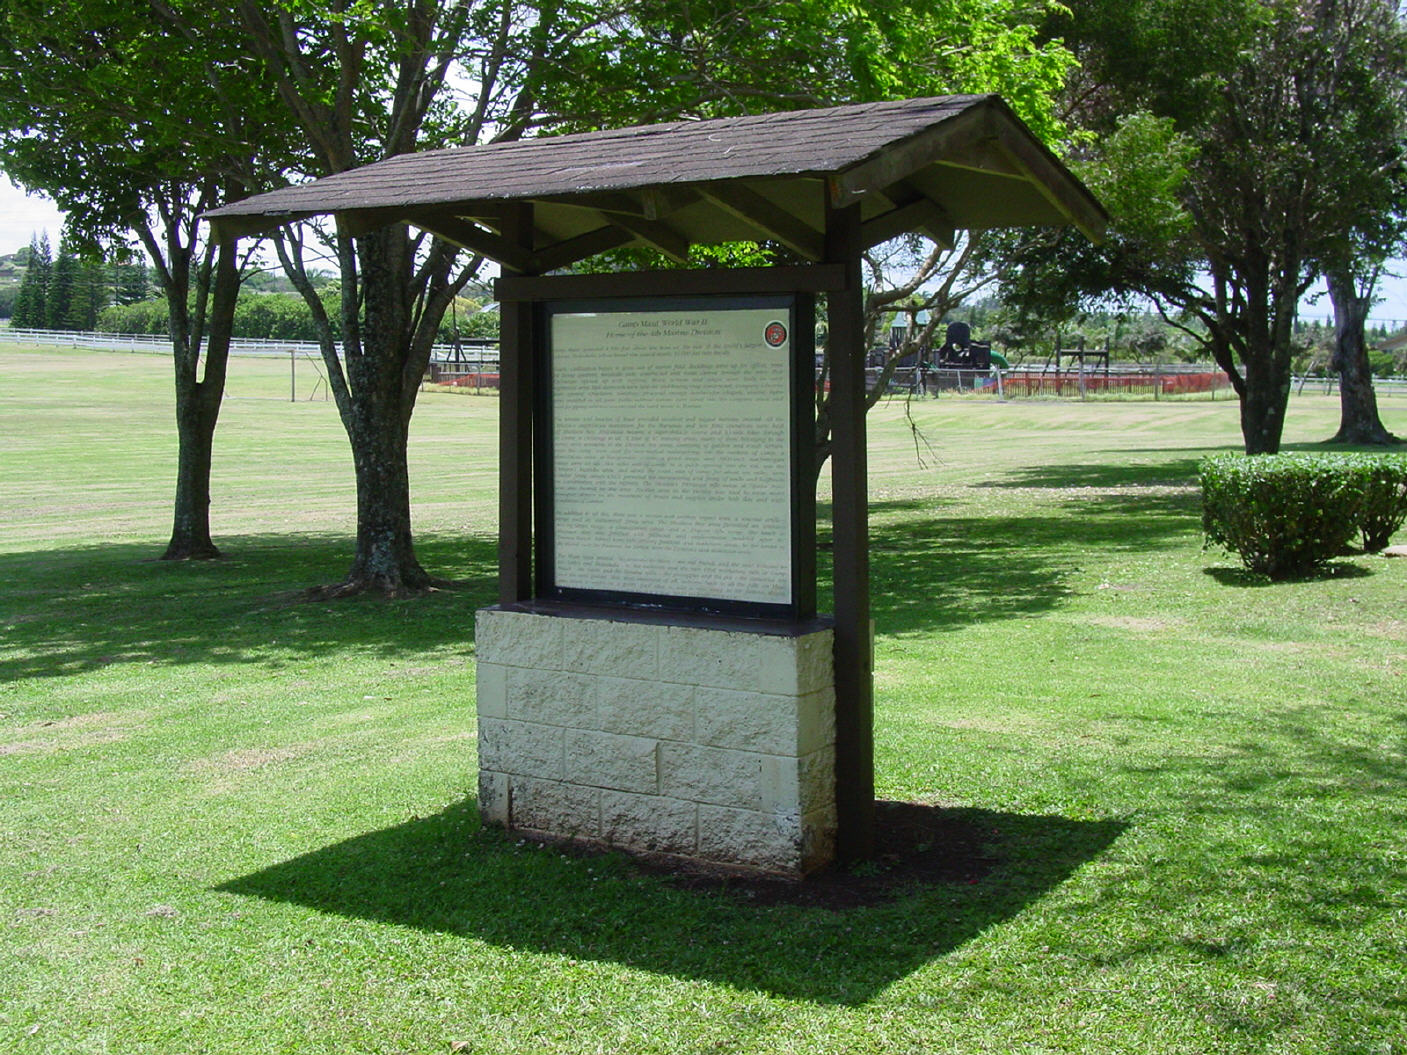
292 375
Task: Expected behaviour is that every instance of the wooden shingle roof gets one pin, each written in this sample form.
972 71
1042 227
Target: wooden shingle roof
932 165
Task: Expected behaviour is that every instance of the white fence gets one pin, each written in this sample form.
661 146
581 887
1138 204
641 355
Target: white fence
480 356
476 353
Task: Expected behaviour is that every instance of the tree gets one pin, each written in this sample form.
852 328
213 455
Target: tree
1250 106
129 280
1369 46
61 288
362 84
77 84
30 311
662 59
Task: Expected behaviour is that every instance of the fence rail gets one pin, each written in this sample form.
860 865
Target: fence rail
474 363
476 353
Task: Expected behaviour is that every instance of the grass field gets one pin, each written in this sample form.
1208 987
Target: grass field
233 822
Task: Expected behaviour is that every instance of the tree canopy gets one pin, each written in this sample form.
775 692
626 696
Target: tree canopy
1241 145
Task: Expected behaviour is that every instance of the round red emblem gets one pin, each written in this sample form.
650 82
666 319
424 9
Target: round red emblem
775 334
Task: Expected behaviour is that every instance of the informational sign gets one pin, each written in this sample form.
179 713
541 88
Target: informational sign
671 434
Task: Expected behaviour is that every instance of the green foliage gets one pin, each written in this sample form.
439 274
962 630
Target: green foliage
143 317
30 312
1286 515
1381 480
659 59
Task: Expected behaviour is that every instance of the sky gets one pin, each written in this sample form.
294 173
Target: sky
22 216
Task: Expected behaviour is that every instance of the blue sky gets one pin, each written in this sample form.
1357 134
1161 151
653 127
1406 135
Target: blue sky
23 215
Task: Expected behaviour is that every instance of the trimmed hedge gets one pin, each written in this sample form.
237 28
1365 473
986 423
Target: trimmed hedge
1287 514
1382 510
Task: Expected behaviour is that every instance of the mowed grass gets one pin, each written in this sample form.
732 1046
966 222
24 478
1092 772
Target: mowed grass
234 822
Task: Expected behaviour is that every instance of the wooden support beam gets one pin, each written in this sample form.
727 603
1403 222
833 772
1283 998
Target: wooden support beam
700 282
854 659
515 255
1056 185
922 214
902 160
570 250
229 228
646 203
517 387
658 235
769 218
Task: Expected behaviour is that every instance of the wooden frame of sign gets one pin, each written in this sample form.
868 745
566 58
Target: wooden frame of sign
675 454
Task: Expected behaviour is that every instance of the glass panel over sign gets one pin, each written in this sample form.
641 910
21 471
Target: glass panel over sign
671 433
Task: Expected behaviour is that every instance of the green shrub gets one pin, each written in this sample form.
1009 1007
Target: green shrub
1282 514
1381 480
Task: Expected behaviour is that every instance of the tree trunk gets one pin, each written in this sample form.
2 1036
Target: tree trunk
198 409
380 396
195 430
385 558
1359 423
1266 394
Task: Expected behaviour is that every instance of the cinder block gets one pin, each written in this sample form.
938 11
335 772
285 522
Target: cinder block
517 639
816 780
815 720
746 721
551 806
551 697
490 692
781 784
493 797
600 646
649 822
815 662
646 708
762 840
607 760
723 659
520 747
709 774
795 666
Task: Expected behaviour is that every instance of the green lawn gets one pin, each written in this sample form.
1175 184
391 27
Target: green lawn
231 822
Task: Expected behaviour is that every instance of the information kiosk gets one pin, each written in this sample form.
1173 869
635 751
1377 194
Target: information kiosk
655 675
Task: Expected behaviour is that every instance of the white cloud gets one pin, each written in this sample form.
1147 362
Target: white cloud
25 215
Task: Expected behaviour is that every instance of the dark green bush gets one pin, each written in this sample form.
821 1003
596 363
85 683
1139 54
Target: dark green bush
1381 480
1282 514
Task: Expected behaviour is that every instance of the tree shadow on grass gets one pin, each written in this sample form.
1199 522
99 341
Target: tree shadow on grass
944 573
1181 472
67 611
444 874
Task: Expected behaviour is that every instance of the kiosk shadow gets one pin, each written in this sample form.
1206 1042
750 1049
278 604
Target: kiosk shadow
445 874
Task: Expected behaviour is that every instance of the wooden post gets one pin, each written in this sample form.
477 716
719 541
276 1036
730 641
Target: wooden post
854 660
516 372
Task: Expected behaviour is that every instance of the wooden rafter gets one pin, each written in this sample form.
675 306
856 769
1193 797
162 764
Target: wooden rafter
770 219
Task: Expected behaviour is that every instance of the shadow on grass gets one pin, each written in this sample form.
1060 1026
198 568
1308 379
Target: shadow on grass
67 611
1181 472
72 610
1244 577
445 874
944 573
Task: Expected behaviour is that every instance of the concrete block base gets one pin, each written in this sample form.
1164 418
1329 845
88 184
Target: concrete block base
711 744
